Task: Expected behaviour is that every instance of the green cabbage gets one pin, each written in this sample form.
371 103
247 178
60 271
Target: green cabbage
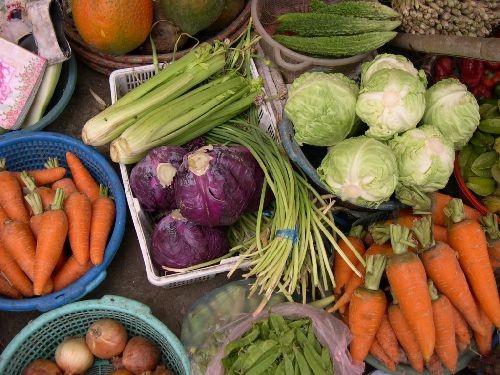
453 110
360 170
425 158
389 61
391 102
322 108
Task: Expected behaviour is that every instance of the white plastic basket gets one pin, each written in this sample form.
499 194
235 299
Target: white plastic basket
122 81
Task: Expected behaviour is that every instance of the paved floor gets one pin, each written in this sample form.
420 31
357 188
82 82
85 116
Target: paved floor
126 274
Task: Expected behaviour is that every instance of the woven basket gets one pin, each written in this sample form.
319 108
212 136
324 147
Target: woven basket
105 63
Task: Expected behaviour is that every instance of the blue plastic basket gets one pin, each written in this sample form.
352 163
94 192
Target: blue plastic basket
40 337
30 150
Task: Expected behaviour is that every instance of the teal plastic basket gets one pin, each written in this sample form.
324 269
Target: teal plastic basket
40 337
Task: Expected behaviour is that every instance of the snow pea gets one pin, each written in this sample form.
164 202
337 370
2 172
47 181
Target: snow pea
280 370
254 354
289 368
277 323
262 365
299 323
301 360
244 341
327 360
311 337
264 329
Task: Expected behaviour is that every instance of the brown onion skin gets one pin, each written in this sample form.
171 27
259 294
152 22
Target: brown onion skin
42 367
106 338
121 371
140 355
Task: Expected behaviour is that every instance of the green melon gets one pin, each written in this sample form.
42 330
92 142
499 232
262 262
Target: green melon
192 15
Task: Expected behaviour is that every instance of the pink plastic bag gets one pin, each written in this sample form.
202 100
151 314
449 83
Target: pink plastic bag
330 332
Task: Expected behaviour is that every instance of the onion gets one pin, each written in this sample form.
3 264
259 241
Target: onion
73 356
140 355
106 338
42 367
121 371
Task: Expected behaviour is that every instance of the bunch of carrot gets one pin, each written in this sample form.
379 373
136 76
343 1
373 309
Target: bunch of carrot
39 210
440 276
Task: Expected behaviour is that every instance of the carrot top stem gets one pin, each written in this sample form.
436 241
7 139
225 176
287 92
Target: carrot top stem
357 231
413 197
103 190
400 239
380 233
454 211
432 290
28 181
490 226
35 202
57 203
375 265
3 164
422 229
51 163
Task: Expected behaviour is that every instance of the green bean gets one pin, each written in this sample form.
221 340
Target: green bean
244 341
303 365
264 362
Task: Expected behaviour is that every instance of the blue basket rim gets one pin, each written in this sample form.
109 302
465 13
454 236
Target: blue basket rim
139 310
96 275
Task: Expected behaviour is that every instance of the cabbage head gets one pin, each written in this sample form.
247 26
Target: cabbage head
391 102
390 61
322 108
453 110
360 170
425 158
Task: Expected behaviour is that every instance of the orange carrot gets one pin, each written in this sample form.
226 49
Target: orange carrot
468 239
19 242
3 218
8 290
405 336
69 273
408 282
14 274
60 263
404 221
384 249
66 184
79 211
388 340
439 201
103 216
462 333
378 352
442 267
354 282
11 196
36 205
440 233
446 348
52 172
82 178
342 271
51 237
366 309
483 342
46 194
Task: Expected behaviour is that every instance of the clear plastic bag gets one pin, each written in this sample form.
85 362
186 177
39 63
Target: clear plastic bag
330 332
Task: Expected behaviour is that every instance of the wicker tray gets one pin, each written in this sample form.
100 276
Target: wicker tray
105 63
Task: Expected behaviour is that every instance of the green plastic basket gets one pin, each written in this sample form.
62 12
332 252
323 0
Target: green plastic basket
40 337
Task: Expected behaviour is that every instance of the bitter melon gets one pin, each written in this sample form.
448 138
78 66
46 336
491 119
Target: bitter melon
316 24
364 9
336 46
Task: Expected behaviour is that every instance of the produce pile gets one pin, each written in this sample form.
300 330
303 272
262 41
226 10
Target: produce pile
105 339
444 295
39 211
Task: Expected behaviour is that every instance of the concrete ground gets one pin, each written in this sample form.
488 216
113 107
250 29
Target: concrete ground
126 274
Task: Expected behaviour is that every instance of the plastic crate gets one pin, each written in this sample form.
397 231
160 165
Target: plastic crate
39 339
122 81
30 150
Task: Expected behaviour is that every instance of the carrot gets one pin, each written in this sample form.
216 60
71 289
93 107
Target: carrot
483 342
462 333
11 195
3 217
381 231
14 275
341 270
8 290
51 173
36 205
51 237
366 309
388 340
442 267
66 184
446 348
378 352
405 336
408 282
82 178
79 211
103 215
19 242
490 227
469 241
70 272
60 263
46 194
354 282
375 249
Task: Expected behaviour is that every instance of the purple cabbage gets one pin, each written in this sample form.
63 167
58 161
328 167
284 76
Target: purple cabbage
152 178
180 243
214 185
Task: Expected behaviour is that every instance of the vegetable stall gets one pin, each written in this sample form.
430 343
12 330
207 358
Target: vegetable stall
312 190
